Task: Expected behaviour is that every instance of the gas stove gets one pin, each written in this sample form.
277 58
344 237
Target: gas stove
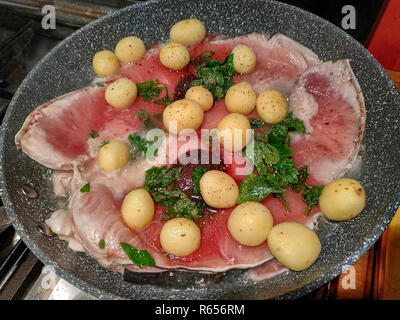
23 42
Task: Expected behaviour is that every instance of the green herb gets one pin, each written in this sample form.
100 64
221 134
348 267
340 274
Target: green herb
256 123
198 172
86 187
301 184
140 146
335 60
99 84
157 116
159 178
311 196
151 89
282 197
253 188
102 244
103 143
202 59
93 134
142 114
139 258
216 76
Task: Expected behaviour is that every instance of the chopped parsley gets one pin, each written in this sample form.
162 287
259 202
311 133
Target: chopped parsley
99 84
311 196
202 59
85 188
93 134
102 244
198 172
214 75
151 89
139 257
103 143
142 114
140 146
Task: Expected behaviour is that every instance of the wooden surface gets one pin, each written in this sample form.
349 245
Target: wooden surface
377 274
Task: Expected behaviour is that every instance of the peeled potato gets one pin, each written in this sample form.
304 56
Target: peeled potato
272 106
183 114
241 98
234 131
130 49
342 199
114 155
202 96
137 209
105 63
174 56
250 223
188 32
244 59
218 189
294 245
121 93
180 237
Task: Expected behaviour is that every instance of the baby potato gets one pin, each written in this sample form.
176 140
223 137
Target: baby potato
105 63
137 209
244 59
121 93
180 237
241 98
188 32
250 223
130 49
342 199
183 114
174 56
114 155
218 189
202 96
294 245
234 131
272 106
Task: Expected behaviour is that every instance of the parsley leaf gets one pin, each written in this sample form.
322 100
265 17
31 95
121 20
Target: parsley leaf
142 114
151 89
253 188
103 143
198 172
311 196
202 59
301 184
139 258
161 178
85 188
102 244
216 76
93 134
99 84
140 146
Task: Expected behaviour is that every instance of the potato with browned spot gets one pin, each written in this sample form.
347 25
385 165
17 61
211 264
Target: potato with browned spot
138 209
188 32
130 49
272 106
174 56
294 245
114 155
218 189
202 96
241 98
244 59
121 93
234 131
180 237
182 114
105 63
250 223
342 199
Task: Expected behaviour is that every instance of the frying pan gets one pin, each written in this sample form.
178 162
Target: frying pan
68 67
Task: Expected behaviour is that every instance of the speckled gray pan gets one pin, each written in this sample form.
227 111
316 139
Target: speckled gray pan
68 67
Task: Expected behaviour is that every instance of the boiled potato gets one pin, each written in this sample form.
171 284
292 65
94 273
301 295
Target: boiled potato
294 245
105 63
250 223
272 106
114 155
218 189
188 32
241 98
342 199
130 49
137 209
234 131
183 114
121 93
202 96
180 237
174 56
244 59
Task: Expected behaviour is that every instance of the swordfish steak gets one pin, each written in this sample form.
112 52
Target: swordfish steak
57 135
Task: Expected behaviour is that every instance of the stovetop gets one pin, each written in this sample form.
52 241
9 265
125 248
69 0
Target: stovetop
23 42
